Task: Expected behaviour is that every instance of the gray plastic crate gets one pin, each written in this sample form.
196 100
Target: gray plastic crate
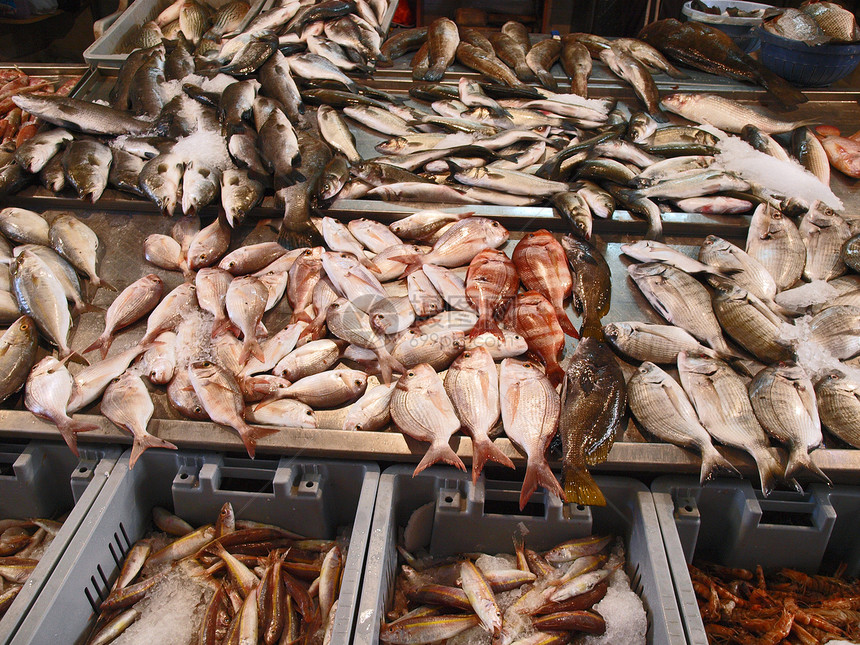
104 52
312 497
730 523
484 517
46 480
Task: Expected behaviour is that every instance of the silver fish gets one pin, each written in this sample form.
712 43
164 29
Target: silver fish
437 349
512 181
336 133
740 268
651 251
724 113
421 409
275 349
309 359
751 323
25 227
79 244
775 242
329 389
91 381
338 238
63 271
283 413
239 193
823 232
251 258
530 410
84 116
783 400
839 406
837 330
352 280
219 394
392 315
163 251
472 385
463 241
722 404
200 185
512 346
372 411
46 394
18 346
170 312
209 244
36 152
662 407
159 180
313 67
246 301
378 119
655 343
423 297
279 145
373 235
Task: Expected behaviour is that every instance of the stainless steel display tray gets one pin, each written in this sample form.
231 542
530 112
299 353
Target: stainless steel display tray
123 233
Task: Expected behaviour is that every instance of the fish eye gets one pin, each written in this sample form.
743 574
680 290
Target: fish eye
231 264
309 413
410 373
467 354
25 326
358 426
202 256
357 381
197 409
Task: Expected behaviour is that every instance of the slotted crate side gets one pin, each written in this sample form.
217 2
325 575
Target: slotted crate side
296 494
479 518
45 480
729 522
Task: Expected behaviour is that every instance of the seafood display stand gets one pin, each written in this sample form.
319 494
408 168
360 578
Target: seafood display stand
314 497
313 493
45 480
730 523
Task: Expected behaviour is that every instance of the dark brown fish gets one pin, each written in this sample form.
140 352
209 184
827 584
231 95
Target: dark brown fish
401 43
541 58
442 41
576 62
513 55
592 284
593 403
711 50
486 63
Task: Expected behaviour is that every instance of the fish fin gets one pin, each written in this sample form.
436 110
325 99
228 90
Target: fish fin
484 449
369 265
659 116
87 308
592 329
674 72
74 356
598 454
486 324
250 434
147 441
580 488
555 373
547 80
69 429
525 73
104 284
251 347
387 365
538 473
655 230
800 460
221 327
769 470
412 261
566 326
439 451
96 344
713 461
452 166
301 316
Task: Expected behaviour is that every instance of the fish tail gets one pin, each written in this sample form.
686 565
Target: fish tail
69 355
368 264
439 451
87 308
563 320
387 365
413 262
434 74
580 488
538 473
69 429
485 324
251 347
484 449
250 434
98 343
592 329
713 461
655 228
546 79
525 73
144 442
800 460
220 327
579 86
674 72
555 373
769 470
102 283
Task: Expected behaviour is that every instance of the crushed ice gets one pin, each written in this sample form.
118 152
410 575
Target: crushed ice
807 295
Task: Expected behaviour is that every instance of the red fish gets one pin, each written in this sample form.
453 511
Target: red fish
533 317
491 282
542 265
842 152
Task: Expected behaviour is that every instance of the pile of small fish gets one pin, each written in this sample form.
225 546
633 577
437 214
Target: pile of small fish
754 302
234 581
22 543
528 598
815 23
742 606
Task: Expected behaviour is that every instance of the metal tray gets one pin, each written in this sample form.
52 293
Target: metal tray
123 233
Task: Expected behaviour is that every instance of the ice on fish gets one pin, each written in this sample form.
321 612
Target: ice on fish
622 609
502 562
812 357
206 146
811 293
783 178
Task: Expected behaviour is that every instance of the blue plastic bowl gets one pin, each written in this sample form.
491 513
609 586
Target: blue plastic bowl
805 65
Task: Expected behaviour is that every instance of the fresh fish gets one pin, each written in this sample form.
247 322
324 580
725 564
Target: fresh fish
576 62
783 400
628 68
219 394
83 116
422 192
651 251
125 171
530 411
839 406
18 347
312 67
354 282
329 389
209 244
41 296
794 24
694 184
133 303
119 95
724 113
77 243
462 242
159 180
347 322
533 318
573 207
251 258
422 225
52 176
256 51
423 297
722 404
246 302
24 227
740 268
491 282
541 57
200 185
681 300
714 205
835 21
211 287
823 233
842 152
472 385
437 349
775 242
283 413
481 598
279 146
126 402
183 398
421 409
593 407
392 316
663 409
170 312
592 286
512 346
401 43
372 411
763 142
336 133
239 194
374 236
277 82
163 251
809 151
309 359
655 343
36 152
62 270
227 19
509 181
837 330
160 359
442 41
145 94
339 239
46 394
304 273
649 56
87 164
851 252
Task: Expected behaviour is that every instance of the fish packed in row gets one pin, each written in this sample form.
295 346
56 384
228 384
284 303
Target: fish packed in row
22 544
576 589
231 581
789 303
742 606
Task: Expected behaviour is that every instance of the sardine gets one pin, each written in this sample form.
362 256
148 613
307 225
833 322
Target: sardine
661 406
783 400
